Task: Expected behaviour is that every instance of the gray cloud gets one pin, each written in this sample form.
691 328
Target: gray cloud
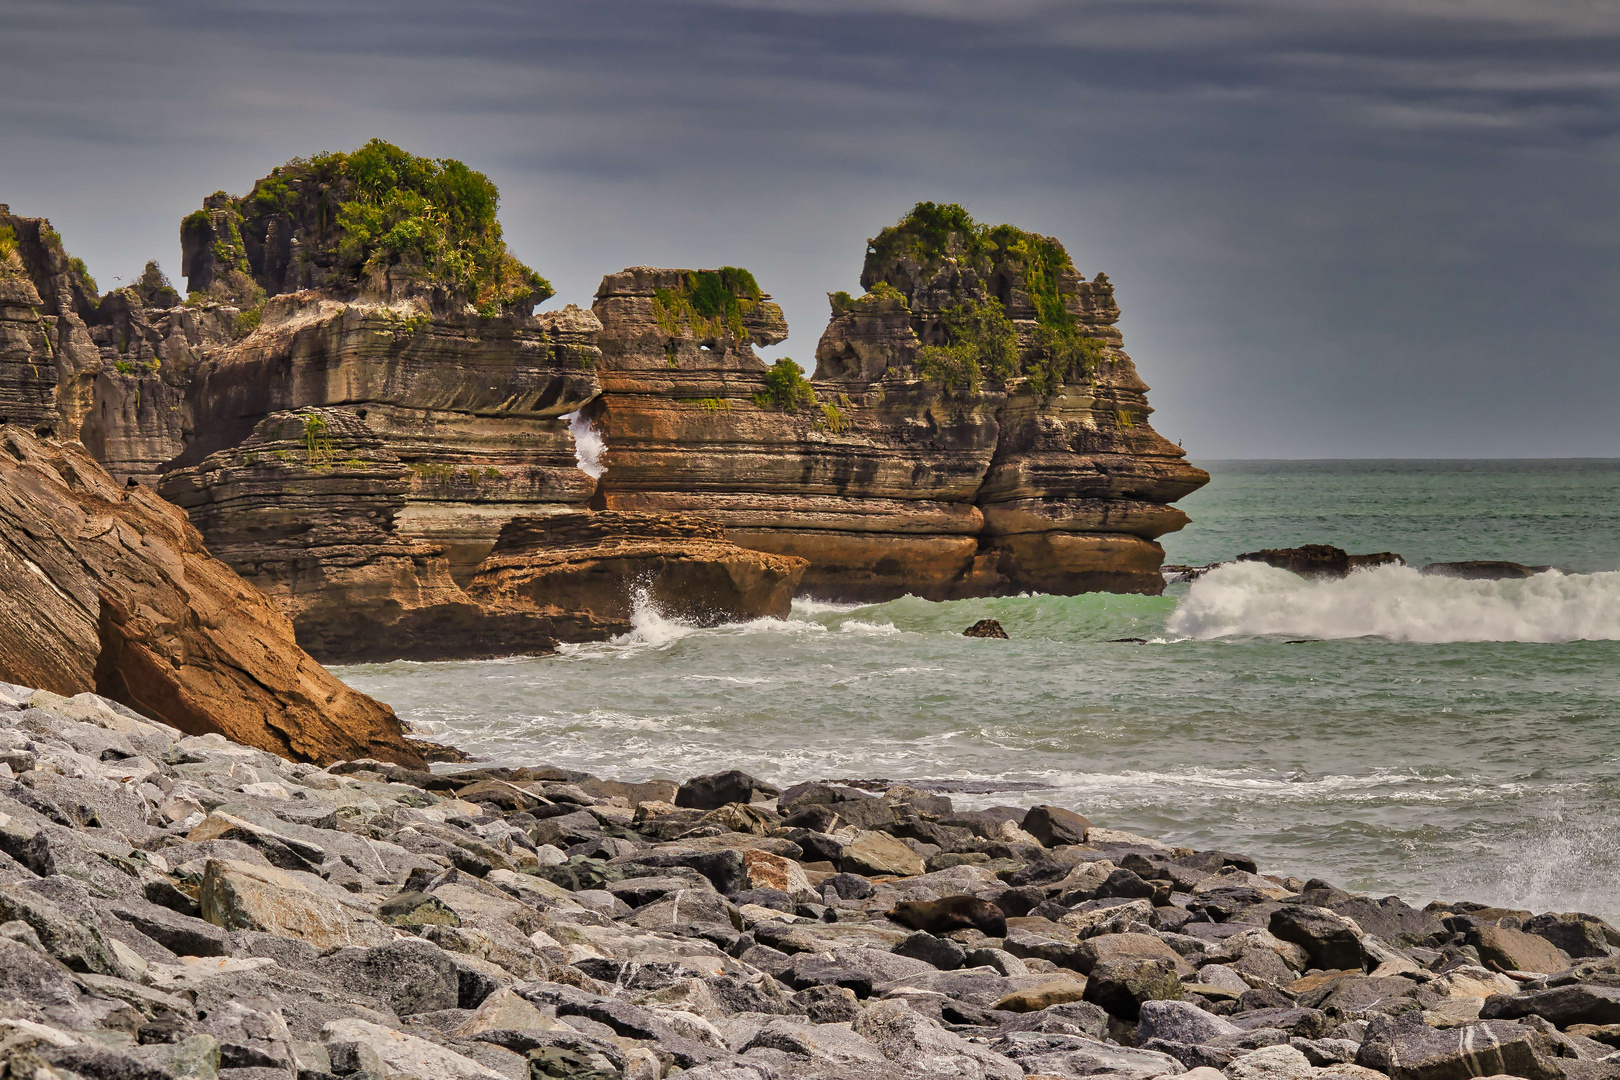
1338 227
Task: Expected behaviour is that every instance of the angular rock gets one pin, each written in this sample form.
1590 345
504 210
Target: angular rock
1407 1049
1121 986
1053 825
1331 941
879 854
238 896
399 1055
1515 950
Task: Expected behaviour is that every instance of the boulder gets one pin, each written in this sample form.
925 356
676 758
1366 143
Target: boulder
1405 1048
985 628
878 854
1042 996
238 896
1579 1003
359 1044
1516 950
1181 1022
921 1045
1331 941
1121 986
1053 825
718 789
1271 1063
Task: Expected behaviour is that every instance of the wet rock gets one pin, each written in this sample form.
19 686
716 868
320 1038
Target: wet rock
985 628
1484 570
1579 935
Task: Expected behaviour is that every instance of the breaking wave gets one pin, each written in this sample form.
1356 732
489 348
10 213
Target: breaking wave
1399 604
589 445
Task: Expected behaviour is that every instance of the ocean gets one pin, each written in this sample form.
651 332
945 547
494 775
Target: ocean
1390 732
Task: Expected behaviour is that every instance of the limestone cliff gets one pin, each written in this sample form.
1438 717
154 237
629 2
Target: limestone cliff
107 588
597 566
973 427
365 418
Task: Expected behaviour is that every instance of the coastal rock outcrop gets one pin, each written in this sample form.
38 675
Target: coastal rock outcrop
108 588
592 569
972 428
356 399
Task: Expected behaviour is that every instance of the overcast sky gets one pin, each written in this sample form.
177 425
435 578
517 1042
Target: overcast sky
1338 228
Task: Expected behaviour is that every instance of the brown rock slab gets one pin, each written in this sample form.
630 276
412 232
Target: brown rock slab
110 589
1514 950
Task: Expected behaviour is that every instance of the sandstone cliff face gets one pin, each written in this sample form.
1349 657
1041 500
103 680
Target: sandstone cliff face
308 507
471 406
973 427
108 589
599 566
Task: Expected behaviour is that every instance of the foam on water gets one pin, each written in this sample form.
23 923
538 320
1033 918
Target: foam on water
1398 603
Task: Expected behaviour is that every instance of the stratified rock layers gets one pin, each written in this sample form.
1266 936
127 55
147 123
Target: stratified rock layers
599 566
109 589
894 480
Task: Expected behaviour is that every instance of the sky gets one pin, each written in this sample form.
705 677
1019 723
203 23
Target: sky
1337 228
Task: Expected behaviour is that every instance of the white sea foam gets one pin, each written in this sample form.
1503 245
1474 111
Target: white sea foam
589 446
808 606
1399 604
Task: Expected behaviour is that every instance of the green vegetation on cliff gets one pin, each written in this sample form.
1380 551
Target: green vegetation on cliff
786 388
376 210
711 303
979 336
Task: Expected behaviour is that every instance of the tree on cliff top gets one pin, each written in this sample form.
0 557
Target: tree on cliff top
971 333
377 213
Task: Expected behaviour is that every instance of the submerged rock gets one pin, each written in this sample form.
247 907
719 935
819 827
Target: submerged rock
985 628
1316 560
1484 570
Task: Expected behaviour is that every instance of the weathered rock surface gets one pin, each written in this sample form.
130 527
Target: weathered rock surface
589 570
887 476
369 920
109 589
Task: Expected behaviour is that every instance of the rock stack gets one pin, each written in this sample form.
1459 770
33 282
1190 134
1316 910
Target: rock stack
176 906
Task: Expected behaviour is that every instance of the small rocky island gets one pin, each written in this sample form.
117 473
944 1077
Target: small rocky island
187 907
361 413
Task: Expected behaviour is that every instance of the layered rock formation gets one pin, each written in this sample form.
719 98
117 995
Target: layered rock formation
353 418
593 569
973 426
107 588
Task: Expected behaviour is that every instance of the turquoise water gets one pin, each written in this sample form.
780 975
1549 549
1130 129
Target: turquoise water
1390 732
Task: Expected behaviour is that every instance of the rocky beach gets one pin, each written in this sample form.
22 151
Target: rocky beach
178 906
355 441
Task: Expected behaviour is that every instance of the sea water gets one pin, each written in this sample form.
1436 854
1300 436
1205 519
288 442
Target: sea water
1390 732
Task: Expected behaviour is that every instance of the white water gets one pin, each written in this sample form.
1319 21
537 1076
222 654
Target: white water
1397 603
589 447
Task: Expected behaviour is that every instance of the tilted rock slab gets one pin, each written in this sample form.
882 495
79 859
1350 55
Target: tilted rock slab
109 589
